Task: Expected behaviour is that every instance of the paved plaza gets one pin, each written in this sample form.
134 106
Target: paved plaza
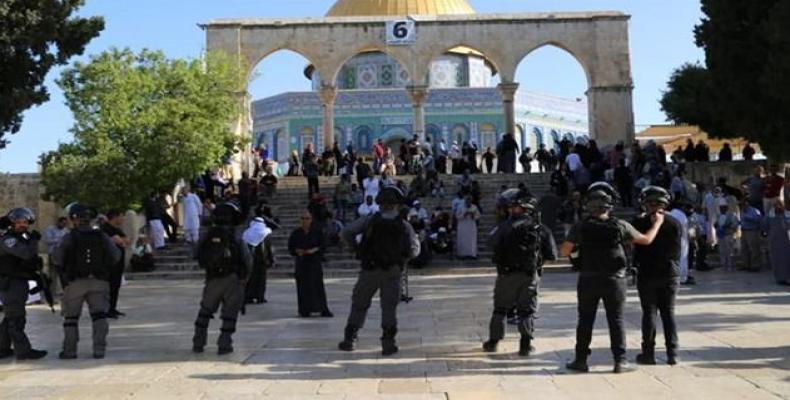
734 331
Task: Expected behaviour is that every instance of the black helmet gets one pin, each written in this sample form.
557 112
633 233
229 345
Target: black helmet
655 194
227 214
81 211
22 213
390 195
520 198
603 195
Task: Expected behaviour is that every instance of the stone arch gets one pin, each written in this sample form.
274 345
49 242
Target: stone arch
254 58
582 62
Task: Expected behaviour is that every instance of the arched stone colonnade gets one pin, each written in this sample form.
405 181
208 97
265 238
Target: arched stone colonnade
598 41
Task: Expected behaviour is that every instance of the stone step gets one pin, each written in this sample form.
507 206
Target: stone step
554 268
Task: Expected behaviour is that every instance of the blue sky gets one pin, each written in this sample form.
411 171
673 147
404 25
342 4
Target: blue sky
661 40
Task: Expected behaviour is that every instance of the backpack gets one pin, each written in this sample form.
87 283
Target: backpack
88 256
385 242
519 247
602 248
219 253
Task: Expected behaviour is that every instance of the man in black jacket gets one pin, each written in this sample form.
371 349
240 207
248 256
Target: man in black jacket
658 267
18 262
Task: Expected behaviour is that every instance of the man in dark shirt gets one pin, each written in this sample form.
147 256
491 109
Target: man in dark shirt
112 228
658 266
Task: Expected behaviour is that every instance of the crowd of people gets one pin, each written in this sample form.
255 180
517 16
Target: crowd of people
229 224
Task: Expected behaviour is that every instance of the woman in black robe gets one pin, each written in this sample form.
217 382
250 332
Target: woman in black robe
307 245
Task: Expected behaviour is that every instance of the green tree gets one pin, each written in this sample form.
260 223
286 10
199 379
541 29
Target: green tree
142 122
36 35
744 87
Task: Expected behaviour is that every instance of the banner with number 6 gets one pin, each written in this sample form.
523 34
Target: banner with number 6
401 32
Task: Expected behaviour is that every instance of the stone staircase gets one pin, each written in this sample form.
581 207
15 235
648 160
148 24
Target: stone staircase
291 199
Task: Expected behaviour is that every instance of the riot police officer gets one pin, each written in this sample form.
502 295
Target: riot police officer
18 263
601 240
658 267
387 242
228 262
87 256
521 244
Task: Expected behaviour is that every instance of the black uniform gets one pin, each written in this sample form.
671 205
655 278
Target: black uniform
18 263
658 267
227 261
521 245
602 276
387 243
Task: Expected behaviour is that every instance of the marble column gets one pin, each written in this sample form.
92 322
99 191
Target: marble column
611 114
418 95
328 95
508 91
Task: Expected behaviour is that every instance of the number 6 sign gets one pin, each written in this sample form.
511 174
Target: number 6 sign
401 32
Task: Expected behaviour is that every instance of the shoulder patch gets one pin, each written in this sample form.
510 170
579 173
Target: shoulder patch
10 242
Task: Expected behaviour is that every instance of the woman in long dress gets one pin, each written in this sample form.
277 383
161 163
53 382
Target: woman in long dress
777 224
466 236
306 244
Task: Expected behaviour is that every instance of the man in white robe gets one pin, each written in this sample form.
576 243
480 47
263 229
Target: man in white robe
466 235
193 209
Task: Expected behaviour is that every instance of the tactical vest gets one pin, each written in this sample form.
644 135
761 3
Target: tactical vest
9 265
385 243
220 254
88 256
601 248
518 249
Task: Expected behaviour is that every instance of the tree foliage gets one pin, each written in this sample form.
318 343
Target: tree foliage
142 122
36 35
744 88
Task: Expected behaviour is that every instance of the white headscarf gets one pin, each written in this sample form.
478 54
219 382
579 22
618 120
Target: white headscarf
256 233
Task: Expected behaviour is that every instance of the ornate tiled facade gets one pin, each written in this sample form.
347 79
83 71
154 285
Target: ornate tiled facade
372 103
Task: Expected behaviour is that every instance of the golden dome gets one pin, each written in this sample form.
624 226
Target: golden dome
358 8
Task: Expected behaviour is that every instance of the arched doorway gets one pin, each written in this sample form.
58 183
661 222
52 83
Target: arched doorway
363 135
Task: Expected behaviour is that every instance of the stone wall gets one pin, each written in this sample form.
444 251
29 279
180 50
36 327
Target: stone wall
25 190
709 172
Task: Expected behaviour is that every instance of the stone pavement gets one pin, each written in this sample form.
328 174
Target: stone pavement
733 329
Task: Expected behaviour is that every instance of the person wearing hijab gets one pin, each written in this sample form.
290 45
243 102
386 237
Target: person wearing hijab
257 238
307 245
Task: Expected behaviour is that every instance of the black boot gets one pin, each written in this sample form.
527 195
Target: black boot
349 338
525 347
33 354
388 346
490 346
579 364
647 357
672 359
